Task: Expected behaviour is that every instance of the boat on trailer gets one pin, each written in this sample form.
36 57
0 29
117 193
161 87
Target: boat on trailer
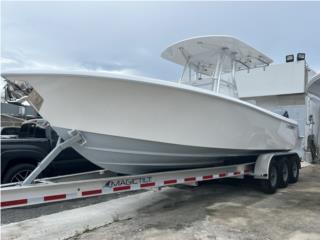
135 125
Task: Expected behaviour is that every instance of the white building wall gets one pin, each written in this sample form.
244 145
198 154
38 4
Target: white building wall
281 88
312 127
280 79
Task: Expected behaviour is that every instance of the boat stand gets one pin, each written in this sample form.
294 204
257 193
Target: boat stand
75 137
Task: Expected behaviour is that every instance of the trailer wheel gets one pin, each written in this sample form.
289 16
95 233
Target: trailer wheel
18 173
283 169
294 169
270 185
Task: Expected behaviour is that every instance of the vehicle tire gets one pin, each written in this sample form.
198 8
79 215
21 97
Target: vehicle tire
283 168
294 170
18 172
270 185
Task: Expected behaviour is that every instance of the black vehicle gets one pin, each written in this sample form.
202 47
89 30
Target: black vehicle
23 148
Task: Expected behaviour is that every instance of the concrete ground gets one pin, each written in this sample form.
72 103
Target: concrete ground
32 212
215 210
226 211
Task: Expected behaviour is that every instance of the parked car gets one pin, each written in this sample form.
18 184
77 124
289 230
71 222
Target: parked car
23 148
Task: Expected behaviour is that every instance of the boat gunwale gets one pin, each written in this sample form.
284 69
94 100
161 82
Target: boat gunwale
146 80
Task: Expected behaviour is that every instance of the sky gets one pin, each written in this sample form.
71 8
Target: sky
128 37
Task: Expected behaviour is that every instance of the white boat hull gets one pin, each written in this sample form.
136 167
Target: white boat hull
135 125
132 156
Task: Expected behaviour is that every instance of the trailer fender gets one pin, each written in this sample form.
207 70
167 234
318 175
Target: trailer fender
261 168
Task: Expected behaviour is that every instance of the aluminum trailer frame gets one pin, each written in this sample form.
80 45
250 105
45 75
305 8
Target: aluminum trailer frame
57 189
96 183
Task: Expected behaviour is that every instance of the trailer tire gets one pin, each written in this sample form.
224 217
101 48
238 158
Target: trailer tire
294 170
270 185
18 172
283 168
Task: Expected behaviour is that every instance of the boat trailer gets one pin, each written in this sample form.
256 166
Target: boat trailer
273 170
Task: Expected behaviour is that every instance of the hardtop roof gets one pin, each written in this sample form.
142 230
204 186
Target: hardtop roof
203 53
